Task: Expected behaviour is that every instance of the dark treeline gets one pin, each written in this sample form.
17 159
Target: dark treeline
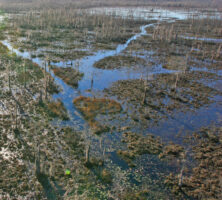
15 5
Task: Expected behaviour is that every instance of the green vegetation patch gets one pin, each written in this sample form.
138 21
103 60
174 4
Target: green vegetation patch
3 49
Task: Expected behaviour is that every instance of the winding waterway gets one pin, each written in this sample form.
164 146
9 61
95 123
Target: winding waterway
102 78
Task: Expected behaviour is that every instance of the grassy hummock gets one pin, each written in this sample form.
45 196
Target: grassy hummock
91 107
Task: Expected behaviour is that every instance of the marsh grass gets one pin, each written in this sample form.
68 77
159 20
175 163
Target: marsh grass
138 145
115 62
57 109
69 75
28 71
70 31
91 107
202 181
64 148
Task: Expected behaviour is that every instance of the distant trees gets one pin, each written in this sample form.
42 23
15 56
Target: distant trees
15 5
103 26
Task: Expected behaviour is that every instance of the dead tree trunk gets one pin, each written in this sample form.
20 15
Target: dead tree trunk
45 74
25 76
145 93
177 78
9 76
16 114
37 162
87 153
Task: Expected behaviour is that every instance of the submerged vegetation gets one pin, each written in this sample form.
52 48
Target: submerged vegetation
145 80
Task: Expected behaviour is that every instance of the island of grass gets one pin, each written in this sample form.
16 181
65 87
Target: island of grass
69 75
116 62
91 107
67 55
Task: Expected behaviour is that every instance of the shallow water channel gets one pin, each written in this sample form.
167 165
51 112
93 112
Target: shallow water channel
98 79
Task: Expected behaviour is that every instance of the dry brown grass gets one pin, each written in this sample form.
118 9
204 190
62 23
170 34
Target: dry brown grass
204 180
69 75
91 107
58 110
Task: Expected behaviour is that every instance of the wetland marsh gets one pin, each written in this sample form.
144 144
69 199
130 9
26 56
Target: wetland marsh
110 103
